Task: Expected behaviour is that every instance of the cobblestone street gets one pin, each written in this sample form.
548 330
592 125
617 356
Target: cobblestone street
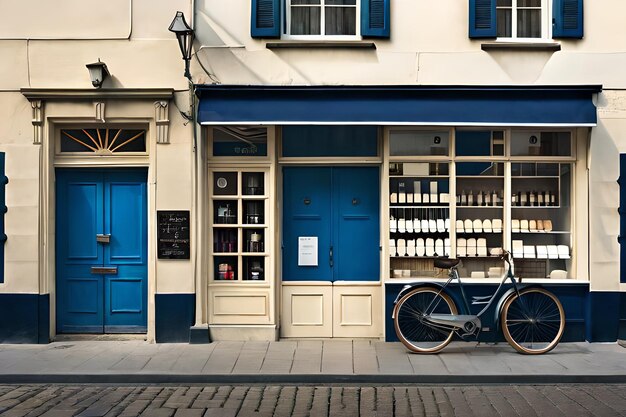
344 401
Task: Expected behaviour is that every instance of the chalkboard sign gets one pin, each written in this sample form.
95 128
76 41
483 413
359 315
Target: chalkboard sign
173 234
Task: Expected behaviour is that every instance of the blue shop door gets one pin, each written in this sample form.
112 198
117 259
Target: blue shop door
339 206
101 285
307 213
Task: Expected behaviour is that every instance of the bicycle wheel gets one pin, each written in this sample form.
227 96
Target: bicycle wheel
533 321
415 334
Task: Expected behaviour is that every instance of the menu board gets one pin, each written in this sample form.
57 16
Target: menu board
173 234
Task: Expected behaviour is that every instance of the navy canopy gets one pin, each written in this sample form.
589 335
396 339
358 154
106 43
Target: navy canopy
398 105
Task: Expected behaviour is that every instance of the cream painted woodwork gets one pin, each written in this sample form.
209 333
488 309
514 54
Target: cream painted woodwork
241 309
307 310
320 309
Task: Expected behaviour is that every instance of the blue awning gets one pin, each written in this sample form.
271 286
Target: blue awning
398 105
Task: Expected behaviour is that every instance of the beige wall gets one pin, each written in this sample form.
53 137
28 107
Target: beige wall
46 44
429 45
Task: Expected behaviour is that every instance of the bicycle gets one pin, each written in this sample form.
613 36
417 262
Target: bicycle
426 317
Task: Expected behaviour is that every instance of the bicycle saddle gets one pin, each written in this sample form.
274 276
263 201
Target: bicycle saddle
446 263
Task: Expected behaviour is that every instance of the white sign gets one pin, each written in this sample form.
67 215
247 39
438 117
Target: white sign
307 251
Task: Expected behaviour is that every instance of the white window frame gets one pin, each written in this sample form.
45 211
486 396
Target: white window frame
546 23
322 5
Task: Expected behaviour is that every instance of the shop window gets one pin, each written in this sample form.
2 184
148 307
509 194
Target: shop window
240 141
526 19
105 141
239 222
529 143
419 143
329 141
535 186
320 19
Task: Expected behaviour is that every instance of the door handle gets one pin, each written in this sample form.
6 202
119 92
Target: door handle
104 270
102 238
330 260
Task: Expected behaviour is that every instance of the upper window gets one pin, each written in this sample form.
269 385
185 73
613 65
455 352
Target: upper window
322 17
522 19
526 19
327 19
103 141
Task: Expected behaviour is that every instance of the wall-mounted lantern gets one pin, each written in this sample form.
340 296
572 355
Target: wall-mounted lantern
184 34
98 71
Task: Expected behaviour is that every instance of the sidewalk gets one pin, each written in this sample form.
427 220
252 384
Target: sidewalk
329 361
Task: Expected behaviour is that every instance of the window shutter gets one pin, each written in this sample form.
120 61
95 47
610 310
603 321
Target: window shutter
567 19
482 19
265 19
375 18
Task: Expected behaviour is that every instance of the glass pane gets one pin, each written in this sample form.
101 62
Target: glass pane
528 143
103 141
239 141
340 20
504 3
488 169
341 2
504 23
418 143
305 21
528 3
529 23
295 2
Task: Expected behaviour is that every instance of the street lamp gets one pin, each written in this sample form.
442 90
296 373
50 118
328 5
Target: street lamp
98 71
184 34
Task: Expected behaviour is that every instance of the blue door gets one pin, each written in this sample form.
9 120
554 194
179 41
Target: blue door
101 251
339 206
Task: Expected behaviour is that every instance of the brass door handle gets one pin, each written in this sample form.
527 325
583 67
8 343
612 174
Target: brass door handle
102 238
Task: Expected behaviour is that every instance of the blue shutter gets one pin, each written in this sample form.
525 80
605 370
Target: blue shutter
265 22
375 18
567 19
622 217
482 19
3 209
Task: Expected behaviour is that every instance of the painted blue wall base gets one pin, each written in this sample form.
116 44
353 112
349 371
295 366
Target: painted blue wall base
199 334
24 318
174 316
622 317
602 321
572 296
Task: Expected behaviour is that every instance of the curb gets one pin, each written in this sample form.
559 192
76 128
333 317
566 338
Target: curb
307 379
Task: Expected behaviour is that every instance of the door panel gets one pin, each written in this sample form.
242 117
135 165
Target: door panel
79 218
357 223
125 304
307 212
92 202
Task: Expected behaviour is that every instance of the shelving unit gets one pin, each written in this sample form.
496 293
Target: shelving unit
419 221
541 251
239 207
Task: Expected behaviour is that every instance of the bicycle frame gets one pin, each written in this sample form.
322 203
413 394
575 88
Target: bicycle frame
470 323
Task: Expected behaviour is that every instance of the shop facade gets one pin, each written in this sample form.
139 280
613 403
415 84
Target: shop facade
304 176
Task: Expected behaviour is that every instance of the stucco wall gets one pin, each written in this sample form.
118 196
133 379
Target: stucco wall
47 45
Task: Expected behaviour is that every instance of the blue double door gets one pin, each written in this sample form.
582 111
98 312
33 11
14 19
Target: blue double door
340 207
101 251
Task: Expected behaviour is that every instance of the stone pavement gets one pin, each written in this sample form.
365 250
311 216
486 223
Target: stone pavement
305 361
313 401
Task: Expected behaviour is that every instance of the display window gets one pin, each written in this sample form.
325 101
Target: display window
471 193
